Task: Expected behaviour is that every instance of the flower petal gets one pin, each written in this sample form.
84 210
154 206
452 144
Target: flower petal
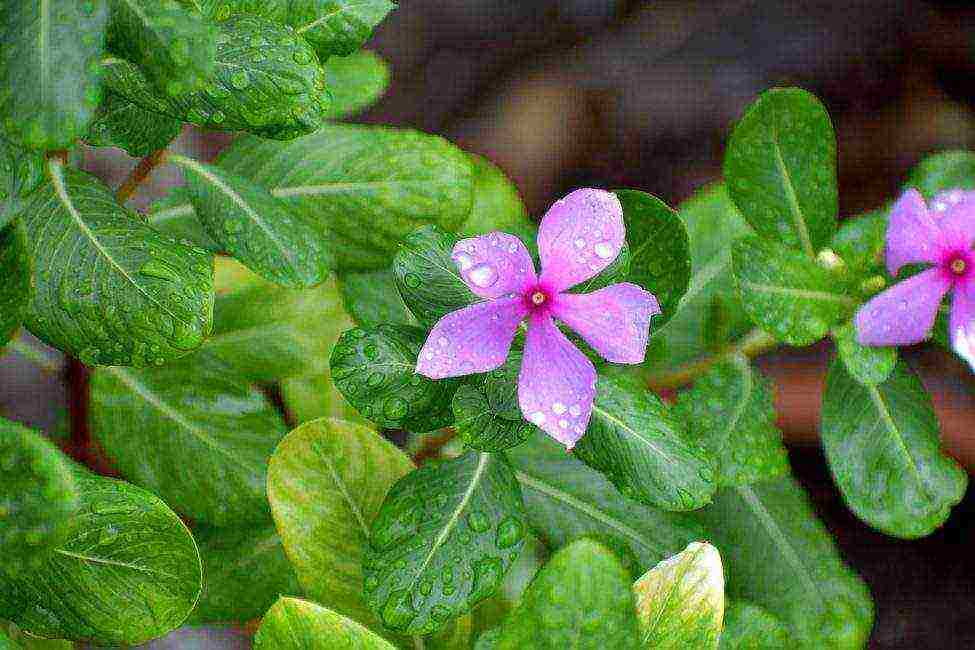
905 313
961 324
954 211
495 264
557 383
913 235
470 340
580 236
615 320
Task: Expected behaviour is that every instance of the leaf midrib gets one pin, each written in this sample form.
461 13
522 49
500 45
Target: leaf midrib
632 432
809 294
885 419
790 192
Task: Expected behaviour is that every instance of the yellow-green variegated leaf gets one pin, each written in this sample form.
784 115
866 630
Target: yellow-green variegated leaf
293 624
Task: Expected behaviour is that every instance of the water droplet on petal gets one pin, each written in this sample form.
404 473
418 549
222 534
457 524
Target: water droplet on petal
558 408
463 260
604 250
483 275
537 418
580 243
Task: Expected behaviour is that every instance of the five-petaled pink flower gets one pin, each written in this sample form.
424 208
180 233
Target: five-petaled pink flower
943 236
579 237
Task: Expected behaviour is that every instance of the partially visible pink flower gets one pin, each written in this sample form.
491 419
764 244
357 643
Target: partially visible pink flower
579 237
941 236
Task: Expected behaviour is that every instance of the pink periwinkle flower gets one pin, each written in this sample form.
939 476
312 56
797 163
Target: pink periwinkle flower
579 237
942 236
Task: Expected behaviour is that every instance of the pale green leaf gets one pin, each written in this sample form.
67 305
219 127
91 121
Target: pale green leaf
21 171
17 288
192 432
866 364
680 602
749 627
131 296
120 123
293 624
337 26
49 81
781 169
497 204
371 298
883 446
486 411
313 397
442 542
356 82
175 216
943 171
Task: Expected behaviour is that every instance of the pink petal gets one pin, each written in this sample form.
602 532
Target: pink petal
615 320
557 383
495 264
961 324
473 339
905 313
913 235
580 236
954 211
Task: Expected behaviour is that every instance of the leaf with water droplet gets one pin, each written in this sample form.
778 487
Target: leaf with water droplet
371 298
174 215
486 411
16 289
293 624
220 10
867 364
123 124
337 27
750 627
21 171
417 538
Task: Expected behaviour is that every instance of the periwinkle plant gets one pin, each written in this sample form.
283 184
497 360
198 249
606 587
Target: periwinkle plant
251 339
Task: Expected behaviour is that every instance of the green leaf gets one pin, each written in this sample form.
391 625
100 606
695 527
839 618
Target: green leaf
266 81
244 572
581 599
486 411
175 47
883 446
293 624
49 81
943 171
356 81
781 169
497 204
730 412
566 500
371 298
326 483
313 397
21 171
6 643
38 498
120 123
193 433
791 297
660 258
130 296
220 10
281 245
427 277
860 243
175 216
781 557
866 364
636 442
128 571
680 602
337 26
17 287
749 627
442 542
375 369
347 176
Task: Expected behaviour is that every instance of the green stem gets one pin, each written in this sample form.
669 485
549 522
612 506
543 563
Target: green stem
35 356
752 344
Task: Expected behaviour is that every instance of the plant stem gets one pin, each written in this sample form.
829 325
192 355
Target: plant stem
752 344
433 444
138 175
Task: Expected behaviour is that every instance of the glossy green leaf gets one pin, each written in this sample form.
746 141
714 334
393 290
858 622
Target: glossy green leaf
486 411
580 599
313 397
866 364
175 216
730 412
680 602
266 81
660 258
129 571
375 369
131 296
781 169
176 48
293 624
192 432
38 498
337 27
442 542
326 483
219 10
427 277
371 298
21 171
566 500
356 82
944 171
635 441
244 571
49 81
883 447
497 204
17 287
860 243
349 176
120 123
749 627
789 296
261 231
781 557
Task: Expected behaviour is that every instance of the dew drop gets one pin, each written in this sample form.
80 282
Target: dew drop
604 250
580 243
537 418
463 261
558 408
398 610
478 521
483 275
510 532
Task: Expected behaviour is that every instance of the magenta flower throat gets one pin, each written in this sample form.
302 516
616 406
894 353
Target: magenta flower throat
941 236
579 236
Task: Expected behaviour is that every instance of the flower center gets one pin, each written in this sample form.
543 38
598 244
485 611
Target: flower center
538 298
958 266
